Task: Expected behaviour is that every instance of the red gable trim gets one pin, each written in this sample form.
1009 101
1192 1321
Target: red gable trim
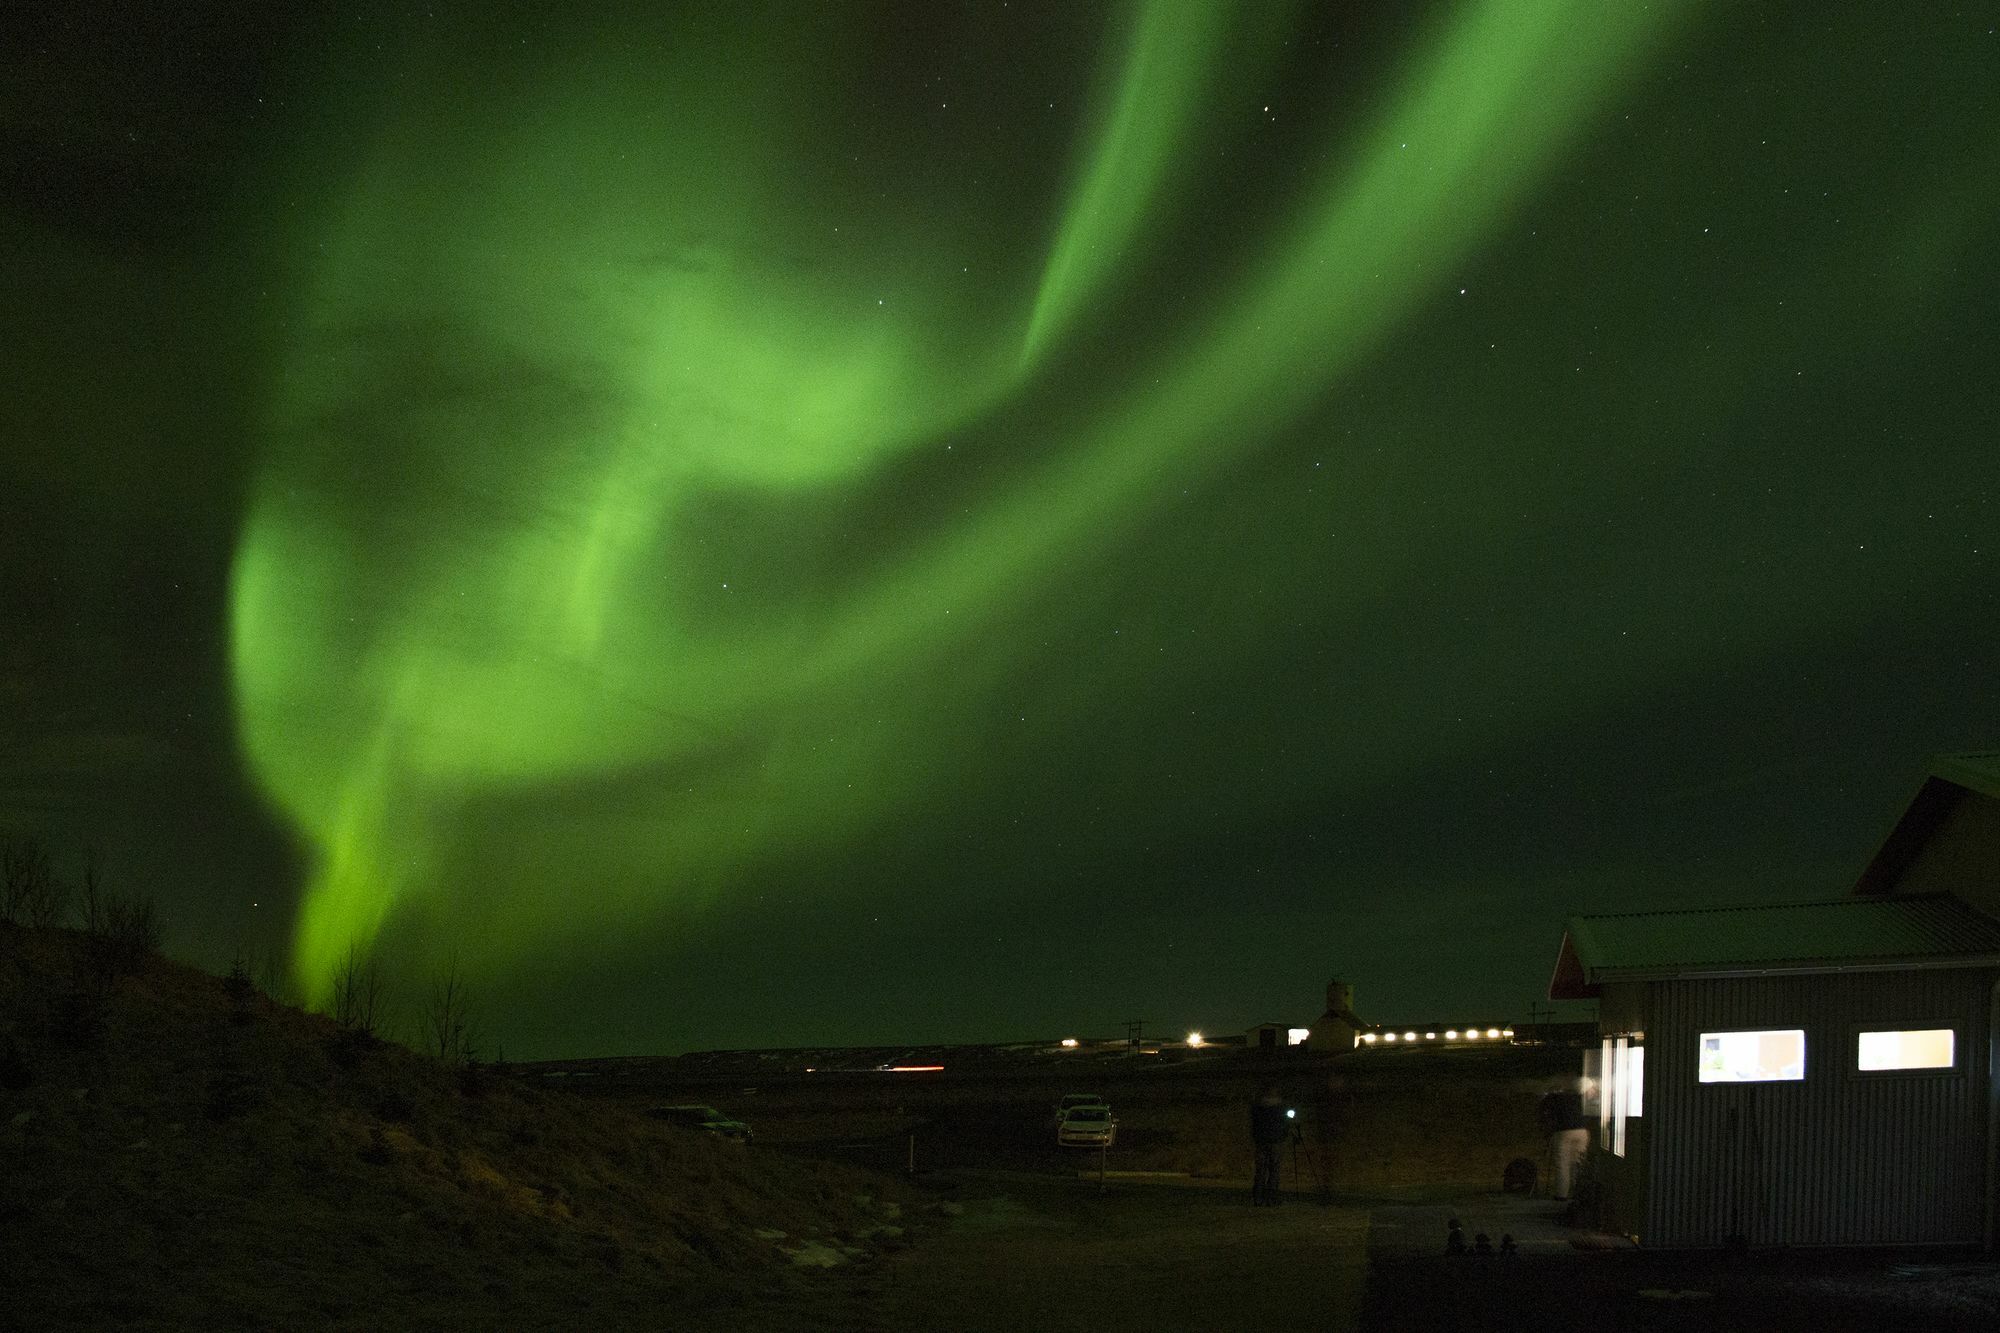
1568 983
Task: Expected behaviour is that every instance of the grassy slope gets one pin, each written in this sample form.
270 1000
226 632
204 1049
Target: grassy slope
181 1158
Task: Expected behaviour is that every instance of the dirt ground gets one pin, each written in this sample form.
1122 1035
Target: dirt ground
1060 1254
1638 1292
1047 1253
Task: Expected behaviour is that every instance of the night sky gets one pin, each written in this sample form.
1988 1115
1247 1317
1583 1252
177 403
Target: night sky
781 524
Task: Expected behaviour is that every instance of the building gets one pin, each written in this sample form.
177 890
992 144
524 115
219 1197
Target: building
1276 1037
1948 840
1809 1073
1337 1028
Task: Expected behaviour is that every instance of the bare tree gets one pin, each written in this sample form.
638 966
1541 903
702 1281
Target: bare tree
94 905
29 889
447 1017
357 993
266 965
123 930
20 862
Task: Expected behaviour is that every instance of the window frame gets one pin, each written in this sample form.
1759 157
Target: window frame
1956 1069
1805 1057
1614 1089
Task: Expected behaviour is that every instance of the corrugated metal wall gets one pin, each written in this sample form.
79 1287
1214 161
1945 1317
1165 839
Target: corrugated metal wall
1833 1159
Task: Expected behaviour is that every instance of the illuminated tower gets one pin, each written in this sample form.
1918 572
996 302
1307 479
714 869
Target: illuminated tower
1334 1033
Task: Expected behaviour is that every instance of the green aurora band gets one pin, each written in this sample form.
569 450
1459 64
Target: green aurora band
619 521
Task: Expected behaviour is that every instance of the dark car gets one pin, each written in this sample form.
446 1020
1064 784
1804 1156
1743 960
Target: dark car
705 1118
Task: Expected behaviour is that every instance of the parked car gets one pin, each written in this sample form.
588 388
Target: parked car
1087 1126
1072 1100
705 1118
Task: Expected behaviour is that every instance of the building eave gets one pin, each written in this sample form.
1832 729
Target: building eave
1596 977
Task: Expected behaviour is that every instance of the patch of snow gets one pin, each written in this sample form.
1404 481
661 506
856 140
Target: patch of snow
814 1254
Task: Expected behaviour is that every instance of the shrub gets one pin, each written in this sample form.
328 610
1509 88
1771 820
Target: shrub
128 934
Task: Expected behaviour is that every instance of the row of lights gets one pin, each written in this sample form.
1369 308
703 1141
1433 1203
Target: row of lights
1451 1034
1197 1041
1293 1037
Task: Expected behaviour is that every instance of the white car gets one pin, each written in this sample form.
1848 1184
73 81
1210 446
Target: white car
1087 1126
1072 1100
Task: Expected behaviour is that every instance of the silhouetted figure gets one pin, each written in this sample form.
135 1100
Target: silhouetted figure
1269 1128
1561 1114
1507 1247
1482 1245
1454 1237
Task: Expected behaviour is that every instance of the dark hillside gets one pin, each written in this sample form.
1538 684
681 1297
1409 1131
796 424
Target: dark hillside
179 1151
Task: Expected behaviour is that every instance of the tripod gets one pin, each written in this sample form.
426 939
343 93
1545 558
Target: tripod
1313 1164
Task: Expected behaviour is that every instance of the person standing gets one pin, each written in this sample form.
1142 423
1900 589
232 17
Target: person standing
1269 1128
1561 1114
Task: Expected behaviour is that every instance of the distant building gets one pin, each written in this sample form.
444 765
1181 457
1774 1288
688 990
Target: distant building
1809 1073
1336 1029
1276 1037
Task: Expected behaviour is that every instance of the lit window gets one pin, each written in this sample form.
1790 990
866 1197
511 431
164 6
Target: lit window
1297 1036
1622 1066
1912 1048
1766 1056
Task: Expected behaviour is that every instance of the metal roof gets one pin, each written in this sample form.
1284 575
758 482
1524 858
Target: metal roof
1953 777
1975 770
1915 930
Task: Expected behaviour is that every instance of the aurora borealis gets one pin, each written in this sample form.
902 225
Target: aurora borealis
759 525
